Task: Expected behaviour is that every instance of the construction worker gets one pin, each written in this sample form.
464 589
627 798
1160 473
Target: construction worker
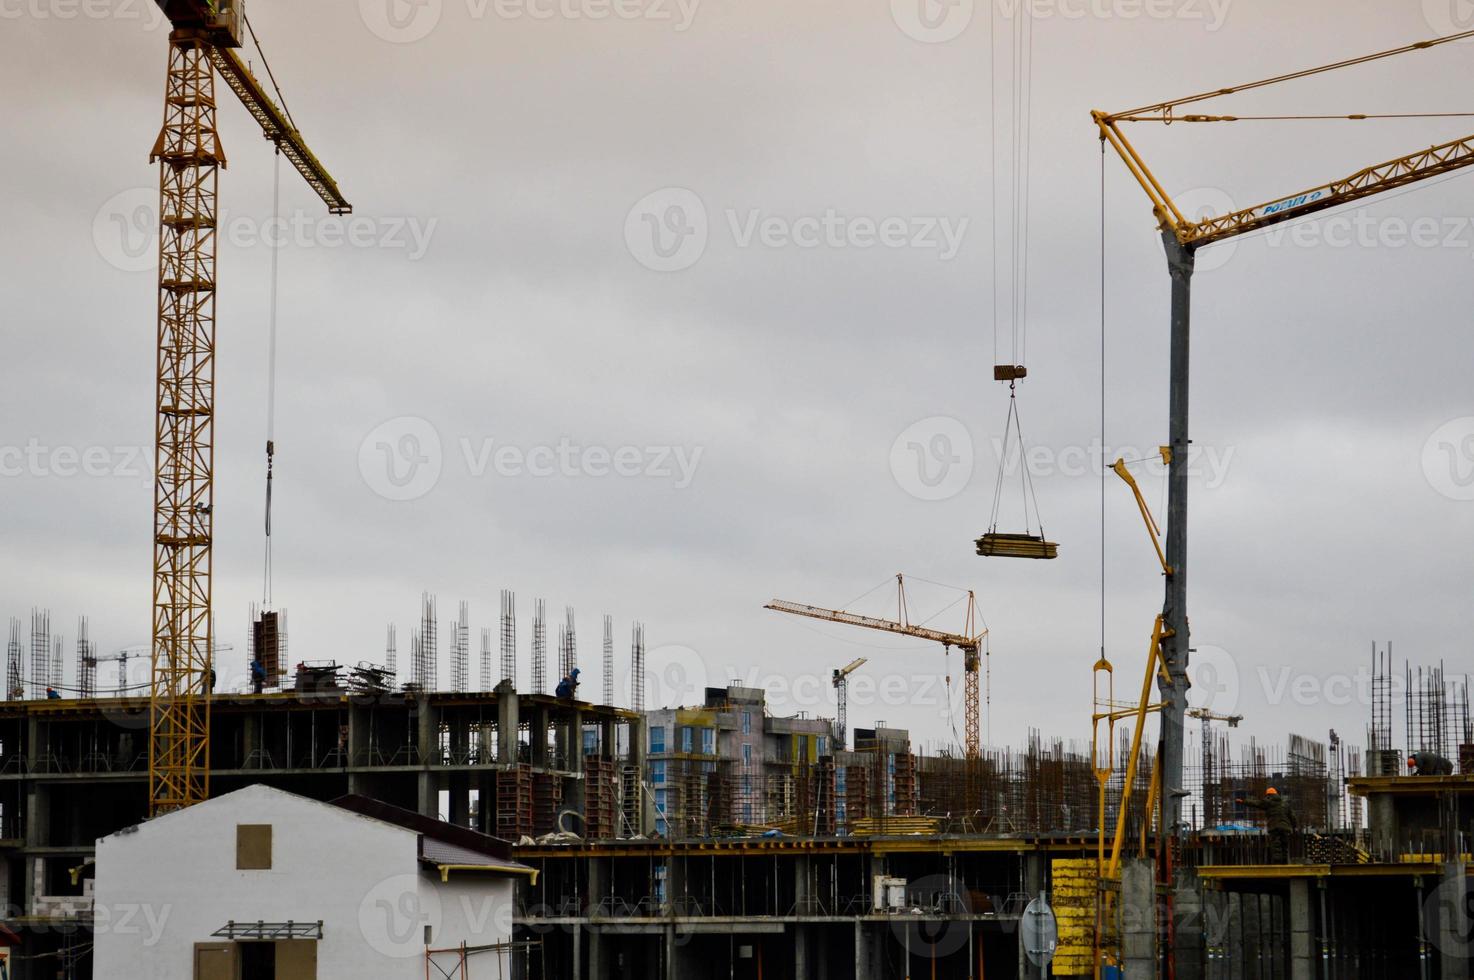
1279 820
1429 764
258 676
52 695
568 686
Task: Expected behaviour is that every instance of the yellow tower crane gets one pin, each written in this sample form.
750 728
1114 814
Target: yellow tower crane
1182 237
204 40
970 642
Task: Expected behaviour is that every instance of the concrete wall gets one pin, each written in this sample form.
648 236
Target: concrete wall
172 882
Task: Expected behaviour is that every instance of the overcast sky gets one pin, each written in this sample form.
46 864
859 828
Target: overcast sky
664 309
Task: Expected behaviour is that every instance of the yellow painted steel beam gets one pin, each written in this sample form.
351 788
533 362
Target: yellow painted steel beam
277 127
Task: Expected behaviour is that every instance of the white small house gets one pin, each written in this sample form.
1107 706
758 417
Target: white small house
261 884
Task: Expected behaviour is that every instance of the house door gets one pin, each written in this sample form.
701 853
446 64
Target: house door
296 959
215 961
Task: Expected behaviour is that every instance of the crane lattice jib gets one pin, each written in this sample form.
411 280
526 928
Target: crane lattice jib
967 644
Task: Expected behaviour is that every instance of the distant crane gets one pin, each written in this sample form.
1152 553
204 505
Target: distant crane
841 681
970 642
204 39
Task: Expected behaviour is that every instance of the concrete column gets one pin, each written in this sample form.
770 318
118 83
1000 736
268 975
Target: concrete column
862 952
1453 922
1033 869
802 892
1188 926
1139 918
578 973
1302 931
672 971
427 745
539 735
507 722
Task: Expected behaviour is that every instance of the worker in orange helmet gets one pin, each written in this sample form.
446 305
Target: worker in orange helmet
1429 764
1279 820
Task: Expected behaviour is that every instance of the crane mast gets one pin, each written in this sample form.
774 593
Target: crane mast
1181 238
190 157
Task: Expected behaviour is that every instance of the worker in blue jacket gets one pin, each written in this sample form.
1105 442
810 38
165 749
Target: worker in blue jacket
568 686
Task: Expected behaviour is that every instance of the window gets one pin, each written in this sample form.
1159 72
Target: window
253 846
708 741
747 722
657 738
823 745
747 753
686 738
657 773
661 798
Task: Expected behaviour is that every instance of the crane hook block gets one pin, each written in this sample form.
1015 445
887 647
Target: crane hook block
996 545
1009 372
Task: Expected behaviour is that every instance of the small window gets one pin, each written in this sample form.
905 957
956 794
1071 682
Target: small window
686 738
657 738
747 722
253 846
708 741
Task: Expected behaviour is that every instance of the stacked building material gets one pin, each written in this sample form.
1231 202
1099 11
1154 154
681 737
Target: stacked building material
547 800
514 802
599 798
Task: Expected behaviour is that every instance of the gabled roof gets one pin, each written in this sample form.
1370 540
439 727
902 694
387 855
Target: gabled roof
429 829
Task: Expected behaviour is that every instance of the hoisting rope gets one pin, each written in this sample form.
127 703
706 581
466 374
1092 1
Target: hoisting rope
1015 314
1026 480
271 375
